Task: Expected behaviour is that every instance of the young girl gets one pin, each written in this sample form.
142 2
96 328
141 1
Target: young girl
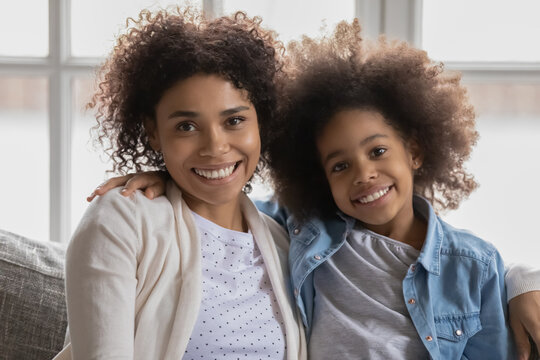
372 139
198 273
373 144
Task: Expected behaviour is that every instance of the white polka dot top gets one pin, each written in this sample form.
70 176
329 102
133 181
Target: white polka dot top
239 317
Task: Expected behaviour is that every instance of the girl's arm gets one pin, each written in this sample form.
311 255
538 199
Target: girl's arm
524 285
101 265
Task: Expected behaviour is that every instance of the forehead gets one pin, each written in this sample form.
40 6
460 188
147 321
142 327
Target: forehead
354 125
202 90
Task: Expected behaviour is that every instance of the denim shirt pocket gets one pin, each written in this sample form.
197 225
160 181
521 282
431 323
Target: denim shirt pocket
457 328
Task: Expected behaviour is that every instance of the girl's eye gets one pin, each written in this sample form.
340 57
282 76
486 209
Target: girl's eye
378 152
340 167
234 121
185 126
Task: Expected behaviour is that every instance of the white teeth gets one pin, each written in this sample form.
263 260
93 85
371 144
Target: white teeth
374 196
215 174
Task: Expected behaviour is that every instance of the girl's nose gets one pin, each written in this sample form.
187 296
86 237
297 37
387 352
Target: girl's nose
214 142
365 172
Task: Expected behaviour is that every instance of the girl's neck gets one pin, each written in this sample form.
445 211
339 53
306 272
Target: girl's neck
228 216
411 231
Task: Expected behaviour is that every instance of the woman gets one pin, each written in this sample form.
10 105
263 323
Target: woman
199 273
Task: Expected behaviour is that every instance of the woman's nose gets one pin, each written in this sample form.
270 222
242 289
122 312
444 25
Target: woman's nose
214 143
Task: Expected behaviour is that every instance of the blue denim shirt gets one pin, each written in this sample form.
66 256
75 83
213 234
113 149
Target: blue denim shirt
455 292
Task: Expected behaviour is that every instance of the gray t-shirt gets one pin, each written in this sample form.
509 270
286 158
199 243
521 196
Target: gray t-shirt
359 309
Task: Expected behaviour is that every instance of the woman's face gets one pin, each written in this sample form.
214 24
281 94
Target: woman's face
208 133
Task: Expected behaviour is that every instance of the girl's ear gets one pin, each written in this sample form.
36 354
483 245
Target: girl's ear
416 153
150 127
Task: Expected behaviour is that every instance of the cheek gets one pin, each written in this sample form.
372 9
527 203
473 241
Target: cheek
339 192
251 144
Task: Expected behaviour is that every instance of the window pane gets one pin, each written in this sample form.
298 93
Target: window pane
112 15
24 29
482 30
88 162
291 19
24 145
504 210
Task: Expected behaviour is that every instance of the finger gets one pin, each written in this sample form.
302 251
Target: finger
523 346
112 183
91 197
149 193
141 181
535 335
158 188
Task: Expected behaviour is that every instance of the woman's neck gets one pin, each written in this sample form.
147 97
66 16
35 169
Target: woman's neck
227 215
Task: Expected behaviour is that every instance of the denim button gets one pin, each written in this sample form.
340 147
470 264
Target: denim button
296 231
429 338
459 332
317 257
411 301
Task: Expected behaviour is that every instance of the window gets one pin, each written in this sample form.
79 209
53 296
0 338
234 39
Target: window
47 64
492 44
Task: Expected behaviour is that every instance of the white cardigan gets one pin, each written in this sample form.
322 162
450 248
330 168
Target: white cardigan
133 278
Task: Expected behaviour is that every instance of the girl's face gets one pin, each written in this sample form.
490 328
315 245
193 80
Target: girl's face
369 169
208 133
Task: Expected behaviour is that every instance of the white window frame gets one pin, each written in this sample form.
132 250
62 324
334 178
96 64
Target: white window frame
397 18
402 19
60 68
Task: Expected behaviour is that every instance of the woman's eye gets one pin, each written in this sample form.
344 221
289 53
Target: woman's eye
235 121
185 126
339 167
378 152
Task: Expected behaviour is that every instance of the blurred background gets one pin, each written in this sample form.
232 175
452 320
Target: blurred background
50 50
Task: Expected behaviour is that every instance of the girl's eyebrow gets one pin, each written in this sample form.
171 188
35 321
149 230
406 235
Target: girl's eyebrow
336 153
192 114
233 110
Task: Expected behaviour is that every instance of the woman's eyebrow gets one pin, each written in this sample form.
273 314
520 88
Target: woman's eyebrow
182 113
192 114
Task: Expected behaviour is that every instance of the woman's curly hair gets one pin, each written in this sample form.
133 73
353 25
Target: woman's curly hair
414 94
162 48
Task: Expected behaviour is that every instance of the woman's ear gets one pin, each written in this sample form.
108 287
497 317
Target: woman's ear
416 153
150 127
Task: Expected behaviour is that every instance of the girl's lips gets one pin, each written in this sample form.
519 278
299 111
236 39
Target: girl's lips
372 196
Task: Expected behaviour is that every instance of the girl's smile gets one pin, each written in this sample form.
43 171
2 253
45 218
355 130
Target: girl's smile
372 196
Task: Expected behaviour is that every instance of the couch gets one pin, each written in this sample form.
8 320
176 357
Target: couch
33 317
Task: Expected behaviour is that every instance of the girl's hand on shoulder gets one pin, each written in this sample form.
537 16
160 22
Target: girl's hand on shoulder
524 311
152 182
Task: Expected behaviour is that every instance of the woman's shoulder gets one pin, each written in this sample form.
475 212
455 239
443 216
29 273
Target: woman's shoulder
113 204
116 218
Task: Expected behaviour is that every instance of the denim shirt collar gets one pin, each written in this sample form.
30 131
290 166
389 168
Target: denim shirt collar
430 255
431 250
